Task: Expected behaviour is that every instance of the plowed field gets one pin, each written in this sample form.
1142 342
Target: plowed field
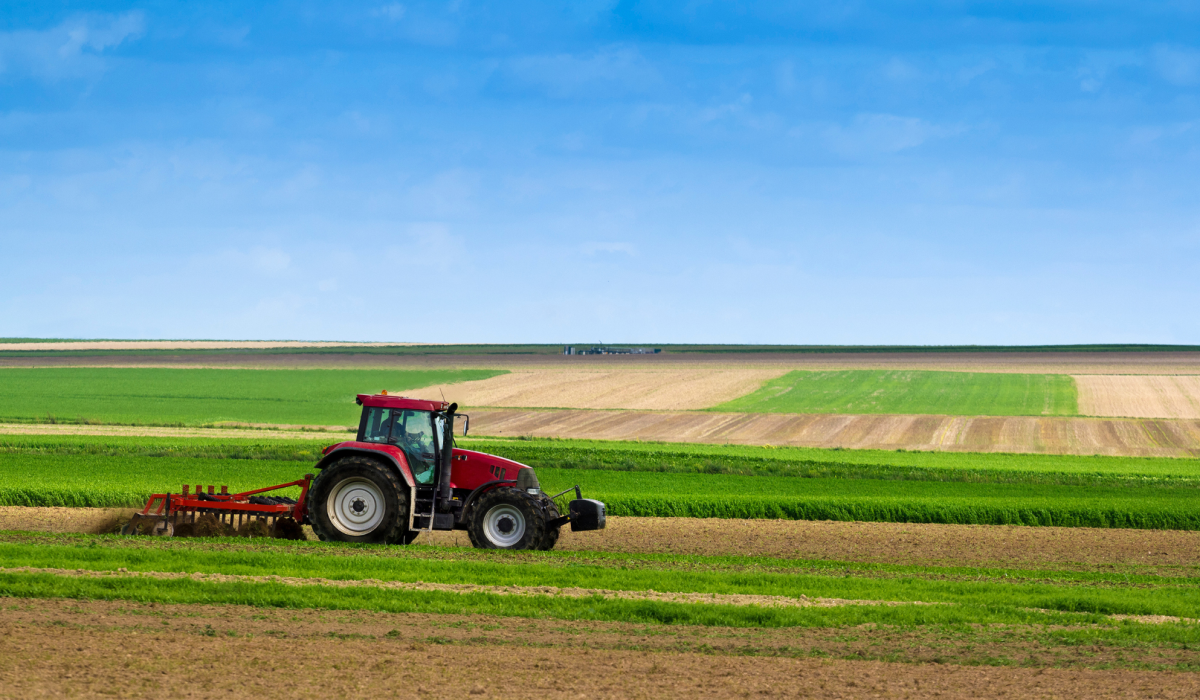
894 543
98 648
665 389
1051 435
1139 396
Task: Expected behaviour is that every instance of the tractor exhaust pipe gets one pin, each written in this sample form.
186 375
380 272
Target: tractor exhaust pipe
447 456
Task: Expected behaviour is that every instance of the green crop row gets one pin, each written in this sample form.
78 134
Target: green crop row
156 396
115 481
912 391
577 570
676 458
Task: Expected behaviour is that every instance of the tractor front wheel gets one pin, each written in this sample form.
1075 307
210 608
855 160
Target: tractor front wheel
507 518
358 499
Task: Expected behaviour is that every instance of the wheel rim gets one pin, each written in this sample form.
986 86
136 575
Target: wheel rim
504 525
355 506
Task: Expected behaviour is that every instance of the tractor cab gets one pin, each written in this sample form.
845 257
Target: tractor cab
419 433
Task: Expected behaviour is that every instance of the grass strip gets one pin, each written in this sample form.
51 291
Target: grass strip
675 458
92 480
1103 575
435 602
1175 600
872 391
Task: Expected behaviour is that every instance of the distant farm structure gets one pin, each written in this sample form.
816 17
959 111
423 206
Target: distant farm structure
605 350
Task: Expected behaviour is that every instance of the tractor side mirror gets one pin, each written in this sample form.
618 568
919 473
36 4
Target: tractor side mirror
466 423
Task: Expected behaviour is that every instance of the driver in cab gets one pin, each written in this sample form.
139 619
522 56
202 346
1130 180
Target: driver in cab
412 432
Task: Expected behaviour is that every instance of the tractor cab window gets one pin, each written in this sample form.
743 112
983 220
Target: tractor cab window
378 425
412 431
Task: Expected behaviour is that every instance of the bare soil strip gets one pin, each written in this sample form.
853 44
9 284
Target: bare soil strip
885 543
737 599
1034 363
1042 435
1131 437
100 648
1139 396
647 389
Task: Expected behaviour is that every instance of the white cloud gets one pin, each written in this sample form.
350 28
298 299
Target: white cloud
426 248
395 11
72 49
1178 65
593 247
568 74
882 133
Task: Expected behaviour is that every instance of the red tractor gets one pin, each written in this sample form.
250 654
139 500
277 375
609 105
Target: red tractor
400 476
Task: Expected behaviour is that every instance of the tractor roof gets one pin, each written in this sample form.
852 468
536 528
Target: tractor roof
386 401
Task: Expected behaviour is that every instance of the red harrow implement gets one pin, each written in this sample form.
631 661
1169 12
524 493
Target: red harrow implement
209 514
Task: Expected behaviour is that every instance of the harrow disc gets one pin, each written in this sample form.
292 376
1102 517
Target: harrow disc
150 525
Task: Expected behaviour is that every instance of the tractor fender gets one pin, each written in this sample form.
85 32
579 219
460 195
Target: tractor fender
479 491
396 461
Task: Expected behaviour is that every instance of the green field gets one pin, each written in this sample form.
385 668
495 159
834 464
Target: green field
910 391
958 608
643 480
154 396
671 457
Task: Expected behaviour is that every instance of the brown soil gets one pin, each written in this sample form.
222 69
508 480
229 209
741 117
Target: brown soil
1139 396
628 388
86 520
93 648
892 543
896 543
1046 435
1034 435
1035 363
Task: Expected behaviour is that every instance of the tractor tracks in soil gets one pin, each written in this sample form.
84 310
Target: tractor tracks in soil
735 599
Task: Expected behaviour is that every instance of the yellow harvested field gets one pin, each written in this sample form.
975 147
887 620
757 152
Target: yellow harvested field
1026 434
1139 396
1144 437
666 389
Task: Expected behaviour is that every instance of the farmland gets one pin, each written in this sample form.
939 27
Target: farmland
947 393
657 480
155 396
749 552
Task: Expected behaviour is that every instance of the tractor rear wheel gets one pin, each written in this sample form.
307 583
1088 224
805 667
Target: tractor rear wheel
507 518
358 499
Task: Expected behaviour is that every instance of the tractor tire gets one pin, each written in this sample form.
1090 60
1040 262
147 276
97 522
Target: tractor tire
357 499
551 537
507 518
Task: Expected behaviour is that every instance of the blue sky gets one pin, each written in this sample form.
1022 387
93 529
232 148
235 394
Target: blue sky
809 172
